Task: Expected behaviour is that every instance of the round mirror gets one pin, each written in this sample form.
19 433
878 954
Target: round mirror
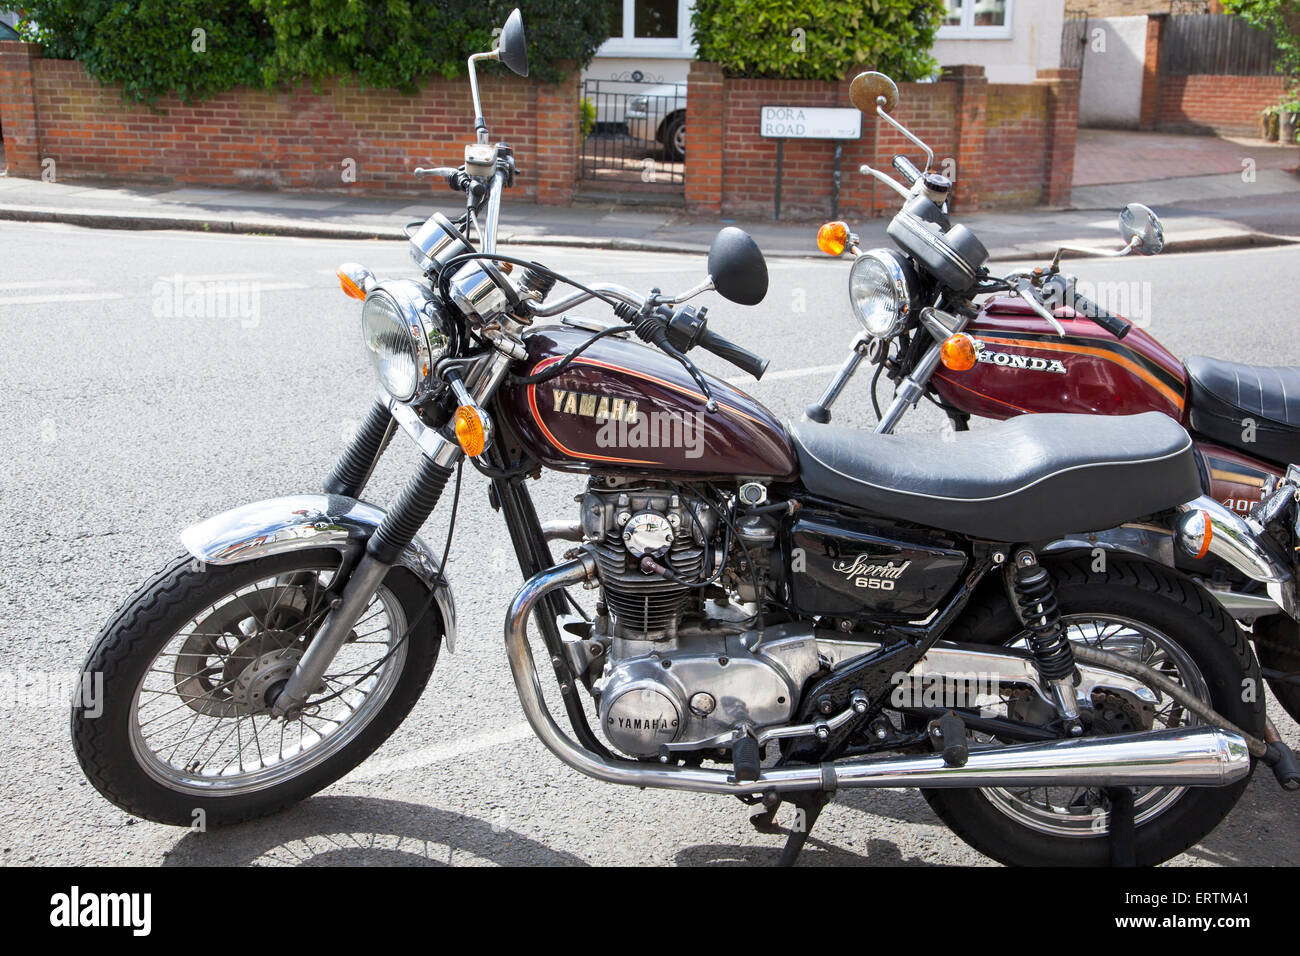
1136 221
513 51
737 267
867 89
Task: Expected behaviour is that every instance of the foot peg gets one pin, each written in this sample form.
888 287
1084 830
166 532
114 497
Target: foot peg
746 760
949 736
1281 760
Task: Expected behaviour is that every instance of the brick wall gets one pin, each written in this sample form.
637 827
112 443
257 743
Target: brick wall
296 139
1228 105
1134 8
1005 145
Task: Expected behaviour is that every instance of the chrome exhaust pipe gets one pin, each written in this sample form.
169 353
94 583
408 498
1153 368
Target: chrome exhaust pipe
1192 757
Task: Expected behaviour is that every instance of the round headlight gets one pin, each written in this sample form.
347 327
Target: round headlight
405 333
881 291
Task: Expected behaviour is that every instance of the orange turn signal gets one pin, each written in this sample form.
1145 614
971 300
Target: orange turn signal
349 286
470 431
833 238
959 352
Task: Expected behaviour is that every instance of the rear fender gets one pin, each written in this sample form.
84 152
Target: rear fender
303 522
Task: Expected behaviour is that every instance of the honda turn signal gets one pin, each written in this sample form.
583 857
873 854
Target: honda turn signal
959 352
833 238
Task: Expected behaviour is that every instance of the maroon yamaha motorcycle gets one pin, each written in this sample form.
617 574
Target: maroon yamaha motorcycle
1036 345
743 608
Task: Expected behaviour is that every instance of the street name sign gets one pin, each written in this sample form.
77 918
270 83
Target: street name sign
810 122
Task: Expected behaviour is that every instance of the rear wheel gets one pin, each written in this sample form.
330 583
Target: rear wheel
1167 622
182 723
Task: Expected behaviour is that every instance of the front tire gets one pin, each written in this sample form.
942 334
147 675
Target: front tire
1161 607
178 731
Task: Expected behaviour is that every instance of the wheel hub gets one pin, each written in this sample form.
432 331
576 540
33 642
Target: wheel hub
248 692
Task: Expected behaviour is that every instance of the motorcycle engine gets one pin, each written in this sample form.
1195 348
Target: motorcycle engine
680 670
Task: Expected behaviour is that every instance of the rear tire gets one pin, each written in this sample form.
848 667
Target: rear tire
1190 617
108 742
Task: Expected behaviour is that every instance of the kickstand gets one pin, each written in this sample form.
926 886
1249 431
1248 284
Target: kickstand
808 808
1123 832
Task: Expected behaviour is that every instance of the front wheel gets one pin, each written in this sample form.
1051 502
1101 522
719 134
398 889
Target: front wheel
1167 622
177 727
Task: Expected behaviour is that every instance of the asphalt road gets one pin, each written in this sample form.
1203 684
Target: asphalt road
122 425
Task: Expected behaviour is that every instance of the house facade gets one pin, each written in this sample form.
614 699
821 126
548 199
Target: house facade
1012 39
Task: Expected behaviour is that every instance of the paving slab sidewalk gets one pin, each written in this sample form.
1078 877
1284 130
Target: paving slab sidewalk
1008 235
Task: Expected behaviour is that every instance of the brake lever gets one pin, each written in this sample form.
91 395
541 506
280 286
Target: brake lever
1025 289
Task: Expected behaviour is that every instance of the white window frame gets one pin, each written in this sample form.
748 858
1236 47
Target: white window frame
682 45
969 31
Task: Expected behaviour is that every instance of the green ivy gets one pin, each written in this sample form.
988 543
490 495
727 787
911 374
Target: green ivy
818 39
149 46
1281 18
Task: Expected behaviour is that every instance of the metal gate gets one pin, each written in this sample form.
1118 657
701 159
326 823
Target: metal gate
634 133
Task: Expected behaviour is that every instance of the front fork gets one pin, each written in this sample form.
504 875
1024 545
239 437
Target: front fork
940 325
398 529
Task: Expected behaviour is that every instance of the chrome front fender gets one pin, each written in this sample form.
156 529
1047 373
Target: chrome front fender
300 522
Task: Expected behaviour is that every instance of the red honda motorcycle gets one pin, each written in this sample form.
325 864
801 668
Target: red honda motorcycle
1036 345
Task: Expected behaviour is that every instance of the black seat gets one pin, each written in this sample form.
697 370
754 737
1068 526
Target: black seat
1027 479
1251 407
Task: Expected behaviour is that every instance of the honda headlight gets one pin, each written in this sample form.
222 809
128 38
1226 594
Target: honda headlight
406 331
882 289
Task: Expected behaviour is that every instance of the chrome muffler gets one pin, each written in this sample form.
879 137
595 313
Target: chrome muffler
1193 757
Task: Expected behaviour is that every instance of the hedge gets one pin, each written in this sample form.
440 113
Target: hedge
818 39
196 48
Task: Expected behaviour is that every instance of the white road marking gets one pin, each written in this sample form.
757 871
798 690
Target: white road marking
63 297
47 284
438 753
746 380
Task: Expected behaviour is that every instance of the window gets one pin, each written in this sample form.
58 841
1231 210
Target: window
649 28
976 19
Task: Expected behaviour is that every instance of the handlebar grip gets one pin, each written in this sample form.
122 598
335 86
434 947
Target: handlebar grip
907 169
743 359
1110 322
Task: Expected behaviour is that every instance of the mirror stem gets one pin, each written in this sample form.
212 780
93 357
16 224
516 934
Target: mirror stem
480 124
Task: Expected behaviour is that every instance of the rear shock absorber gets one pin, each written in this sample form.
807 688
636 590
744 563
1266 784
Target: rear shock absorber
1040 612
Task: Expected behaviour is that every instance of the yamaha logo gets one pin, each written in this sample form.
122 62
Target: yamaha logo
599 407
1028 362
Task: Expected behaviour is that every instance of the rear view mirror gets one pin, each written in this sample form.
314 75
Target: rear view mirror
1141 229
868 90
737 267
513 50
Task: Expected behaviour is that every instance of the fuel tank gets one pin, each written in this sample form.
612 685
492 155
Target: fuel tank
1025 367
622 406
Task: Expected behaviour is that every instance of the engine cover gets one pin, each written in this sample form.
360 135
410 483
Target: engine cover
704 685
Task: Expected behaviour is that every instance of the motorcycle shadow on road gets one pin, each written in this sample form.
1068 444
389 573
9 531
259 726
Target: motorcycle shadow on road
364 831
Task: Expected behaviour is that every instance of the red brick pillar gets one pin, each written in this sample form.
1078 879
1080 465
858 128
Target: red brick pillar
558 131
705 98
1151 71
971 113
18 108
1062 131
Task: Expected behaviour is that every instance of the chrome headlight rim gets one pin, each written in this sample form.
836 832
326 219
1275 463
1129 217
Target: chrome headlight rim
431 333
902 281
